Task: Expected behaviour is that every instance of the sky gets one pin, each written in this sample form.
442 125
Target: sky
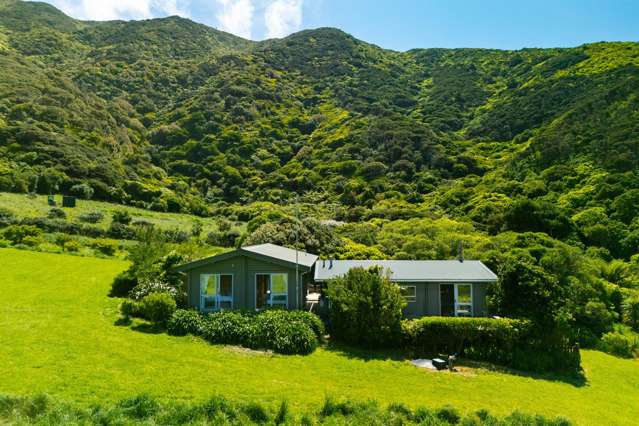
398 24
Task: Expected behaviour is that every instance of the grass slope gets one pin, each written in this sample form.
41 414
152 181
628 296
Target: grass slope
57 335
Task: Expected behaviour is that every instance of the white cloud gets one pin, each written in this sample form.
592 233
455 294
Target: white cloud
236 17
103 10
283 17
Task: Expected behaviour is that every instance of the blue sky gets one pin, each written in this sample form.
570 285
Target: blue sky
399 24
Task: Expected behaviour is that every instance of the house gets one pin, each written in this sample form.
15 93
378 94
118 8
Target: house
264 275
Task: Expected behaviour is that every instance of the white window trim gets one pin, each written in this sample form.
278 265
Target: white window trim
410 299
456 298
269 304
217 293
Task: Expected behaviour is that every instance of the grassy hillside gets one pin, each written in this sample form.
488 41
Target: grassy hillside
58 334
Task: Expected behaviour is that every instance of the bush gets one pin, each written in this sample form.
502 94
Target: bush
82 190
106 247
7 217
56 213
183 322
17 233
71 246
130 308
619 344
145 288
120 231
158 307
630 309
122 216
31 241
312 320
123 284
508 342
228 327
91 217
365 308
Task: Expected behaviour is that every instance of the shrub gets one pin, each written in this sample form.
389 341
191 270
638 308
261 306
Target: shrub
106 247
122 216
312 320
120 231
145 288
7 217
228 327
91 217
619 344
123 284
630 309
130 308
283 333
365 308
183 322
71 246
17 233
56 213
82 190
158 307
31 241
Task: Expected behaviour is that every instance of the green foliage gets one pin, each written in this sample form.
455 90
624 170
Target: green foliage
122 217
92 217
56 213
130 308
158 307
366 308
123 284
17 233
620 344
631 312
106 247
183 322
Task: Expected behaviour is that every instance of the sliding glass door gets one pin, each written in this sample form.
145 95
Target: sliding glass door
216 292
271 290
456 300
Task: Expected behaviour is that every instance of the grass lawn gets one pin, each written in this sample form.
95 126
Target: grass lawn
25 206
57 335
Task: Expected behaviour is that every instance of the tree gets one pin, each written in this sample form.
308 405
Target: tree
365 307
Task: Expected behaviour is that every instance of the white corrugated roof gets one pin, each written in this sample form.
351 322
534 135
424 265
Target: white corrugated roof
283 253
412 270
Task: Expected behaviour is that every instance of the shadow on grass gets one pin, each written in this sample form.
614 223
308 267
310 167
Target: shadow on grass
577 380
122 322
148 328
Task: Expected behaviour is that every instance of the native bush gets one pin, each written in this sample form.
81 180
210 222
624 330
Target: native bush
228 327
71 246
106 247
123 284
183 322
630 309
619 344
121 216
56 213
282 332
17 233
92 217
130 308
365 308
7 217
158 307
144 288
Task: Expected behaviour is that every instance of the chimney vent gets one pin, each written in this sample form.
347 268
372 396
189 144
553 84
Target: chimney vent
323 263
460 251
330 263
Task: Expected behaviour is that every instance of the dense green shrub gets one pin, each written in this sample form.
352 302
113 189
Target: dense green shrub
31 241
56 213
619 344
144 288
17 233
123 284
183 322
229 327
71 246
158 307
122 216
106 247
508 342
313 321
283 332
130 308
365 308
630 309
120 231
7 217
92 217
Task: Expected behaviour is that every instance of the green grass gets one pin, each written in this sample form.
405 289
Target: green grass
26 206
58 336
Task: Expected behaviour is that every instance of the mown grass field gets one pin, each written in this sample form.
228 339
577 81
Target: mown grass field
26 206
58 336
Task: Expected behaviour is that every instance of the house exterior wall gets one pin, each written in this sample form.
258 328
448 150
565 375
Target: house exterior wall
428 300
243 268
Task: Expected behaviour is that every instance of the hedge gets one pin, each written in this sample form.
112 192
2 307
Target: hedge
285 332
509 342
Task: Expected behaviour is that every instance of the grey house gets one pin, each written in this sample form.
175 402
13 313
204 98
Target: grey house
260 276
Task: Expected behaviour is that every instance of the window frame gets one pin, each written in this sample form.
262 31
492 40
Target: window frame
470 305
409 299
269 300
218 298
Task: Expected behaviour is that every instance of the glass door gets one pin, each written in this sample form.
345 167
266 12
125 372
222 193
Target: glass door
262 290
456 300
216 292
271 290
447 300
463 300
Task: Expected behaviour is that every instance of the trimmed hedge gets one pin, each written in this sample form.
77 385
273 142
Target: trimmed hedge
183 322
285 332
130 308
504 341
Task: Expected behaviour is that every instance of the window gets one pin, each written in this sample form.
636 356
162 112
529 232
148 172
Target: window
271 290
456 300
216 292
409 292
